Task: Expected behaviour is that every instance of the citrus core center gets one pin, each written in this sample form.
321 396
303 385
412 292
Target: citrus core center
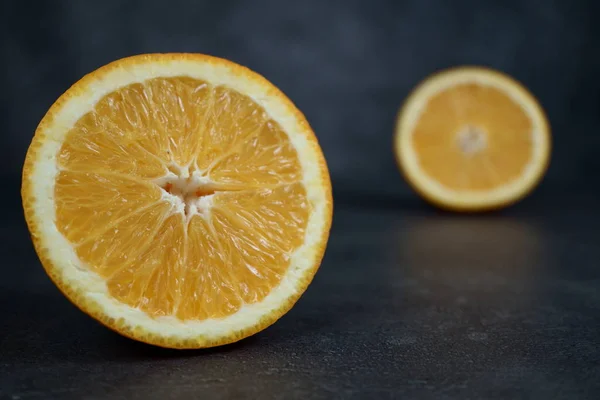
189 191
471 139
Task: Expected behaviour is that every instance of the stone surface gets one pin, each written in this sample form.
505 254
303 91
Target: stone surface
408 303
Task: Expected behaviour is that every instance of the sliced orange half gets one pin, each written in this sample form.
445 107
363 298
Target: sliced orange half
180 199
472 139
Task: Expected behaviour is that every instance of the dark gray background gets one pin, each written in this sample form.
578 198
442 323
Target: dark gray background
348 65
409 302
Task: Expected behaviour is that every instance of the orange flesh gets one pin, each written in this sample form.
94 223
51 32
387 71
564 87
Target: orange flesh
473 137
114 204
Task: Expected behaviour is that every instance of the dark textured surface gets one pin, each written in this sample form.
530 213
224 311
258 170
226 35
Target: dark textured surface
407 303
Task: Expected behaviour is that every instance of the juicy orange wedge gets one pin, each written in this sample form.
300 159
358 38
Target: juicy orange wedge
182 200
472 139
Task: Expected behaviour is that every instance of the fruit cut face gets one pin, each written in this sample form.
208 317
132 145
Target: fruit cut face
185 197
473 137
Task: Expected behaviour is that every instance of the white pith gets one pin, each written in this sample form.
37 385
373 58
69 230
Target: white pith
181 196
75 274
471 140
417 103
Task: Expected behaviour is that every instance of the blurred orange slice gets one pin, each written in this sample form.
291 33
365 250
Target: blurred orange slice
180 199
472 139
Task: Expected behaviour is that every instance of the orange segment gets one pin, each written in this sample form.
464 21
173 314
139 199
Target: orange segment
88 202
277 214
266 158
232 118
152 281
472 139
182 200
268 225
94 145
122 240
163 115
203 288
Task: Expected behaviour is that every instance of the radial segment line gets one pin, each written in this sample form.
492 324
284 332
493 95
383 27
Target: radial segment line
105 172
145 150
235 148
251 188
119 220
184 265
145 247
202 126
222 251
235 220
488 165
